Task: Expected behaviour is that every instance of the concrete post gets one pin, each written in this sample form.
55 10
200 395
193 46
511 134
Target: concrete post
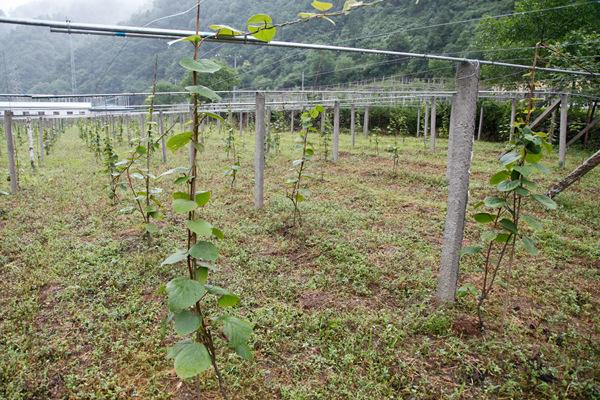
10 147
353 124
30 142
259 152
163 144
41 139
480 123
418 120
336 131
513 116
366 122
451 138
241 123
292 121
562 139
433 126
426 130
467 86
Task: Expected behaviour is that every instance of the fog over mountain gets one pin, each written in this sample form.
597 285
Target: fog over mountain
101 11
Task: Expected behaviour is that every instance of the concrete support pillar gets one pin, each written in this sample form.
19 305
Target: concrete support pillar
426 128
480 123
366 122
353 124
562 139
241 123
433 126
336 131
10 147
259 152
30 142
467 86
513 116
41 139
292 121
418 120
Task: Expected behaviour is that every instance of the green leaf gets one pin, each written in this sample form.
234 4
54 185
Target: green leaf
191 360
204 251
261 27
174 258
182 206
503 237
499 177
306 15
238 333
322 5
529 245
217 233
509 158
204 92
484 218
202 275
465 290
202 66
470 250
226 298
494 202
546 201
521 191
176 142
151 228
184 293
523 170
202 198
212 115
185 322
507 186
533 222
533 158
508 225
200 227
195 39
225 30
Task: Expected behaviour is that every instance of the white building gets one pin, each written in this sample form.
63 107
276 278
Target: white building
48 109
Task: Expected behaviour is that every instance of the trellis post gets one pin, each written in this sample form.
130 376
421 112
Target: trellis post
353 124
562 139
336 130
467 85
366 122
433 124
480 123
10 147
513 116
259 152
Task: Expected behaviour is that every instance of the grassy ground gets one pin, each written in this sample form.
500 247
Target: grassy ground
343 307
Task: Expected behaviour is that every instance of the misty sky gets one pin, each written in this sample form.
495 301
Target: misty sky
102 11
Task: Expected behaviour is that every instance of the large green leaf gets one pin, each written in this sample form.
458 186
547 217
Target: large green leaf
183 293
204 251
202 66
508 225
226 298
191 360
545 201
499 177
533 222
484 218
204 92
507 186
322 5
225 30
261 27
529 245
202 198
200 227
494 202
509 158
470 250
178 141
238 333
183 206
174 258
185 322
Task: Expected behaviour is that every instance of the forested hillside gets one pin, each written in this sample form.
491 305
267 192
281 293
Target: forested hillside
34 63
